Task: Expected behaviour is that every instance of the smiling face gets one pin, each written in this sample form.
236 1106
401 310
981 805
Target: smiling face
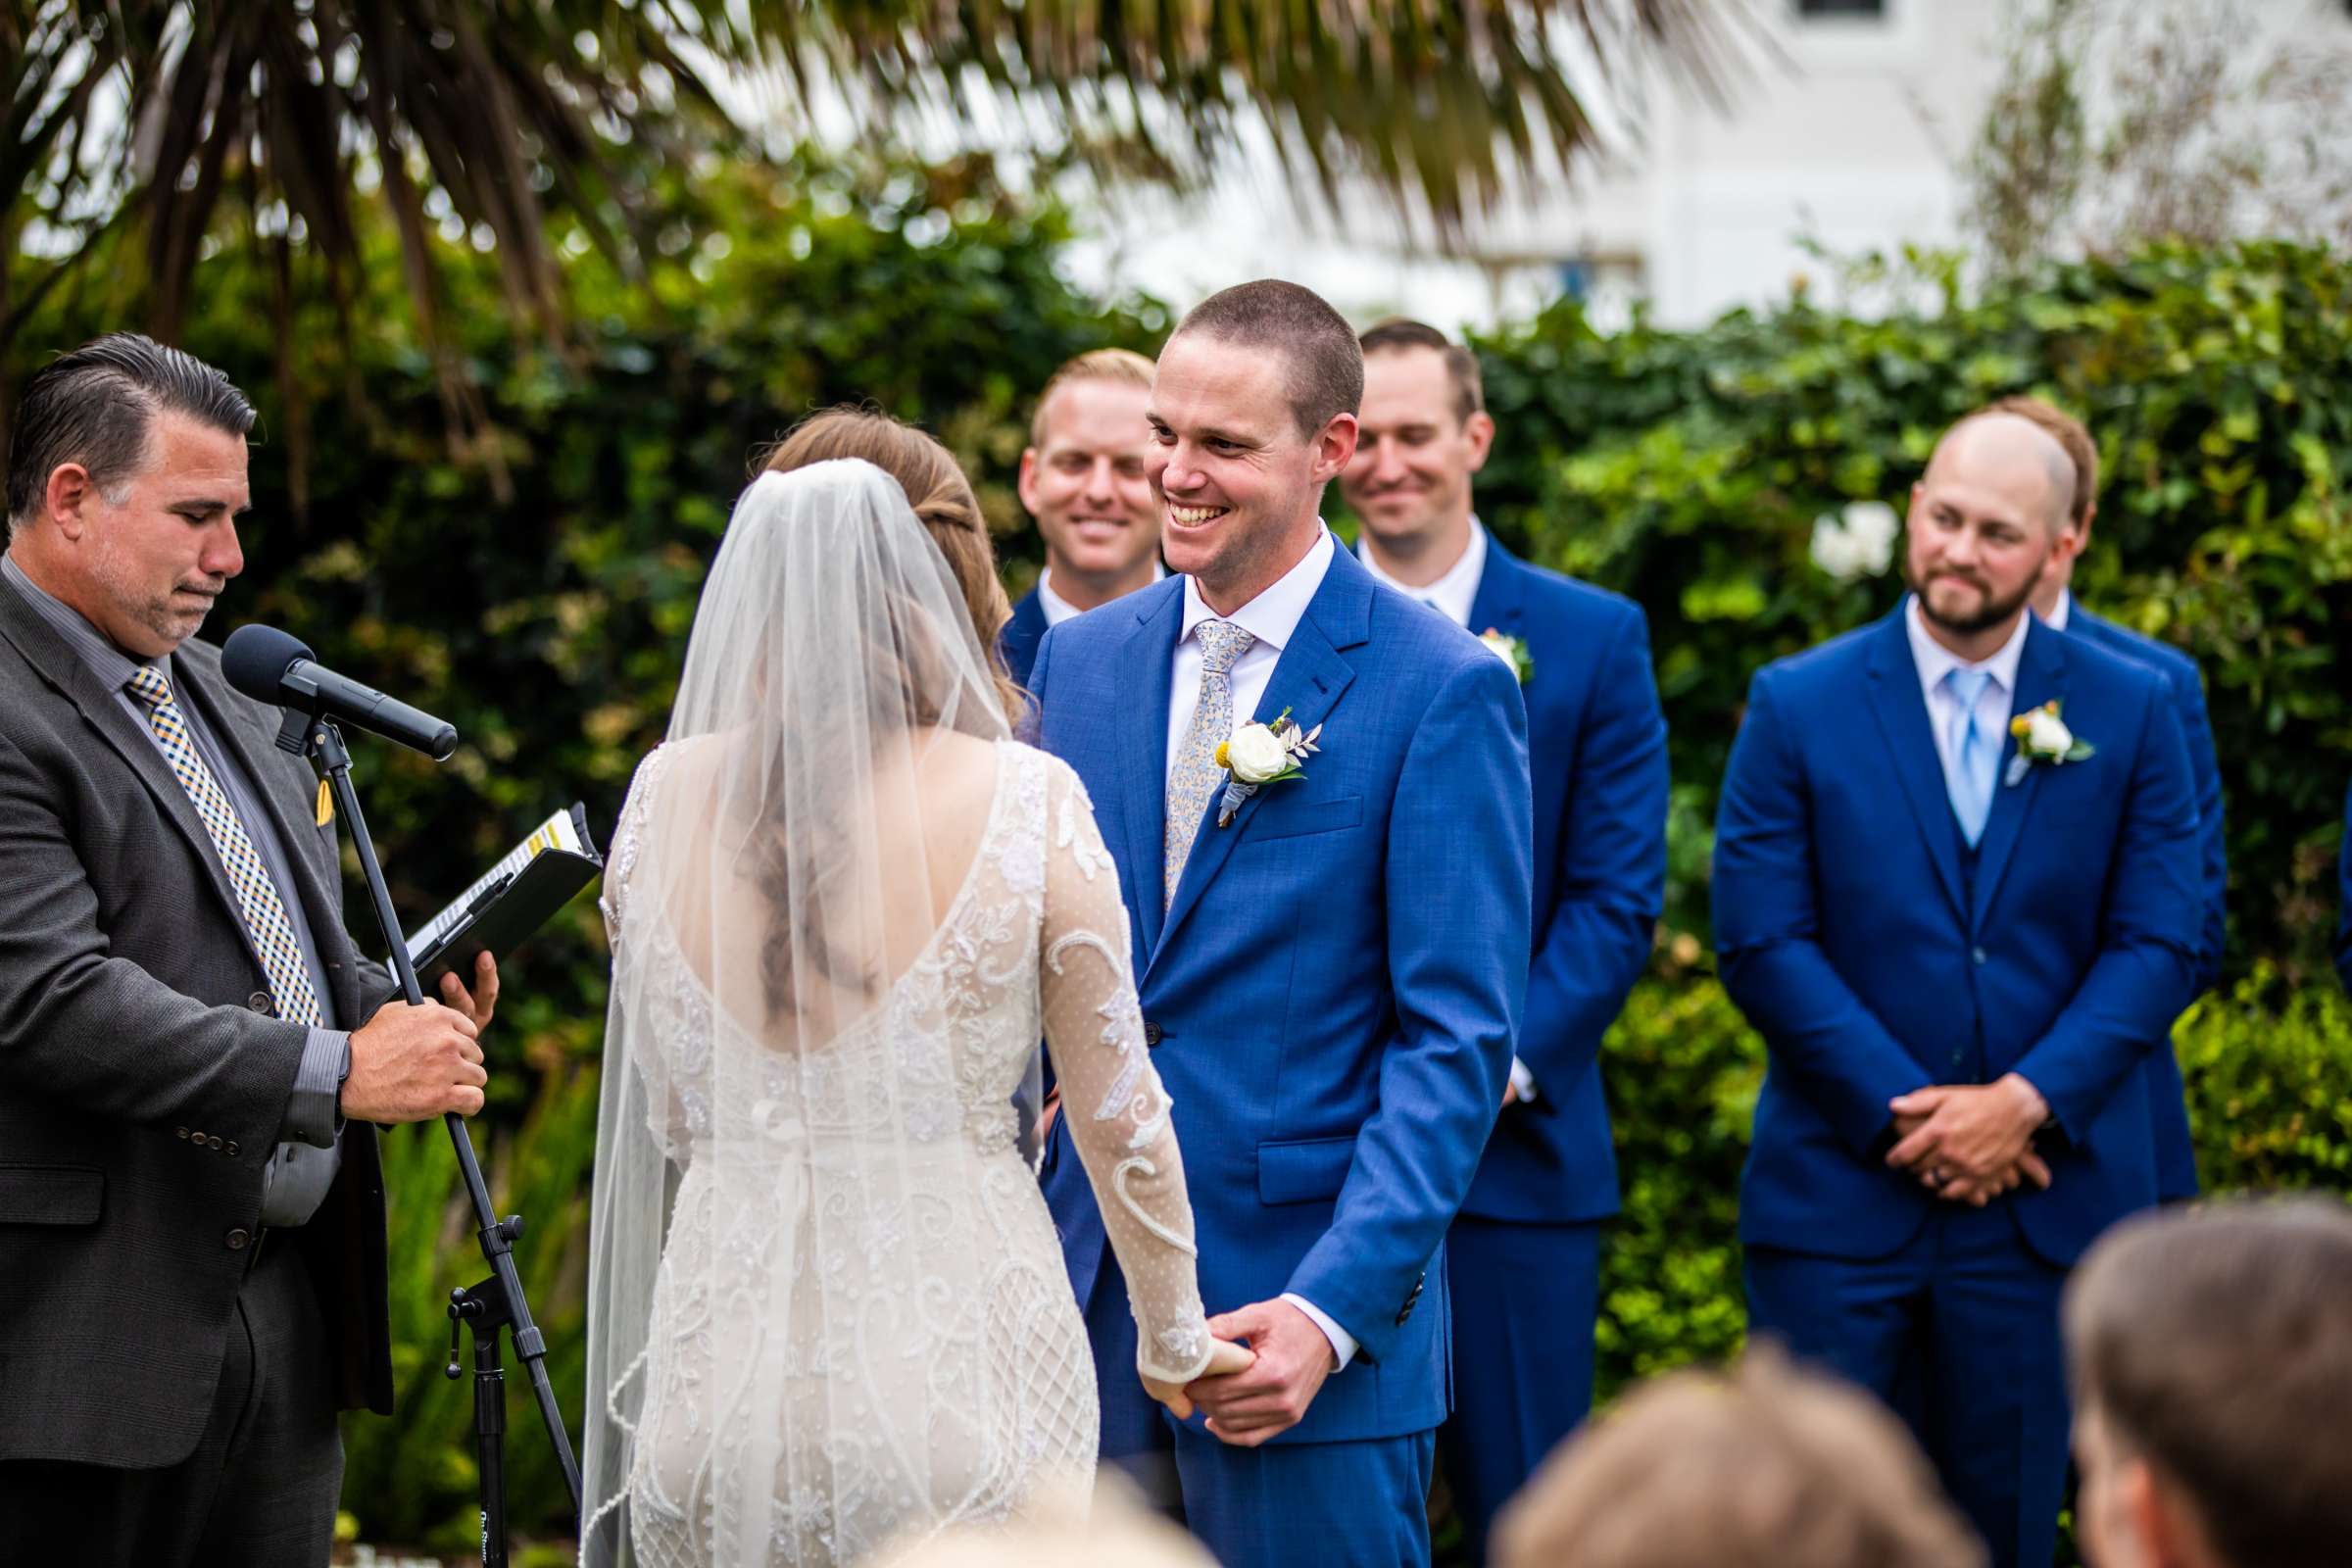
145 571
1085 484
1415 456
1986 524
1237 481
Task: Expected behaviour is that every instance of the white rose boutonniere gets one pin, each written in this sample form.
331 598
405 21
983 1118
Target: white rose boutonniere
1259 755
2042 737
1512 650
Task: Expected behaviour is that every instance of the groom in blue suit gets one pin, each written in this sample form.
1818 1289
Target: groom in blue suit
1524 1258
1959 944
1332 966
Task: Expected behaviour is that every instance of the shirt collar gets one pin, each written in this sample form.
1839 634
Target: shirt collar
2064 612
1057 608
113 666
1935 660
1273 615
1457 591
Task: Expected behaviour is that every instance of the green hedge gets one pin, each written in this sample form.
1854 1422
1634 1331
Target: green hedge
2270 1090
1686 470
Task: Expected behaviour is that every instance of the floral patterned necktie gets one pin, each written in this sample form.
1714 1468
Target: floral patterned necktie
1195 771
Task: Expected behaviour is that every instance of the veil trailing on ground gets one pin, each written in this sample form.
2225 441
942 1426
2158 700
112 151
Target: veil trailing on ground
779 1102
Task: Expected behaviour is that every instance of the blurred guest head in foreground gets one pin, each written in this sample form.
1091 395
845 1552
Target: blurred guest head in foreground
1061 1531
1762 1465
2212 1361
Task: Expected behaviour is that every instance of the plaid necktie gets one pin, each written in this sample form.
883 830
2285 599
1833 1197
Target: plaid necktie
266 919
1195 771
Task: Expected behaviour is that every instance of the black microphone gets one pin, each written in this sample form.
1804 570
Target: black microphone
270 666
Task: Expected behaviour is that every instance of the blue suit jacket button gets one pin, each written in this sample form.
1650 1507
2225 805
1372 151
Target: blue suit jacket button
1976 955
1152 1035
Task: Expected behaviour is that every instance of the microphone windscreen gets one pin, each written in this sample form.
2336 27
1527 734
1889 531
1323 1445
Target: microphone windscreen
255 658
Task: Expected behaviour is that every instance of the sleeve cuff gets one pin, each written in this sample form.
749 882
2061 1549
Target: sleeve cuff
1343 1343
314 1110
1523 1081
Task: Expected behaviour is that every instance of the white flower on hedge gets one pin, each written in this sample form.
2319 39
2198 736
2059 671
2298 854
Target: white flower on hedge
1256 754
1857 542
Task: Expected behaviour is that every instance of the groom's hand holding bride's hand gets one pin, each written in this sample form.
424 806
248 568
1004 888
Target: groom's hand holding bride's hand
1224 1359
1270 1395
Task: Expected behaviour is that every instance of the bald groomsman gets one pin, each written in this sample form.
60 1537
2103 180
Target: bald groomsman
1525 1252
1960 937
2054 602
1083 479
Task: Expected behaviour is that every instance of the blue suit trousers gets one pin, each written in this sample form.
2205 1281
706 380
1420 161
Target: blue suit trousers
1343 1504
1957 1330
1524 1302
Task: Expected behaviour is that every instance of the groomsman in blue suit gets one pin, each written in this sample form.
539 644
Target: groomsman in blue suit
1523 1258
1082 479
1332 964
1959 943
2054 602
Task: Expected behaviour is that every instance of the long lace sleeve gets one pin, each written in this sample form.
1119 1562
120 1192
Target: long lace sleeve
672 1123
612 898
1111 1097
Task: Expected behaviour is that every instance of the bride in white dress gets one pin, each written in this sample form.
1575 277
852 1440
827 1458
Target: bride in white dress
827 1302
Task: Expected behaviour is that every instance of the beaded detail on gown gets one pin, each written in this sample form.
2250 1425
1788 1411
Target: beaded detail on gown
861 1302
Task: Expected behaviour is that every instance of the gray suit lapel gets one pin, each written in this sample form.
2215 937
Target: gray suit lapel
58 664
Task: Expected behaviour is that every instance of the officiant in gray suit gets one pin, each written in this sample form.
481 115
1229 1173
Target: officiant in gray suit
192 1270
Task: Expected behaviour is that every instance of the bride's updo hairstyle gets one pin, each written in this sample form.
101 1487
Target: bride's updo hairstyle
942 499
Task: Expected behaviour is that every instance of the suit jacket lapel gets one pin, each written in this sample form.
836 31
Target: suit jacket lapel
1307 680
64 670
1500 604
1901 711
1148 671
2040 677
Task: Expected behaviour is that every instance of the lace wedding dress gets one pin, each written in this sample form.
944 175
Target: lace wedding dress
859 1321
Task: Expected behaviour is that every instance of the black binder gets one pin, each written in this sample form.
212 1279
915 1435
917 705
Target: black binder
510 902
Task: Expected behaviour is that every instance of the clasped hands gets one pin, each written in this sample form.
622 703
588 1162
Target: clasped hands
1257 1388
1970 1143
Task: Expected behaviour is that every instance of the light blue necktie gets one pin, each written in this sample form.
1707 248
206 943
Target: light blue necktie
1972 755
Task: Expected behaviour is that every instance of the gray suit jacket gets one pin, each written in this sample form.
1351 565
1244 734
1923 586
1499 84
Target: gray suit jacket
144 1074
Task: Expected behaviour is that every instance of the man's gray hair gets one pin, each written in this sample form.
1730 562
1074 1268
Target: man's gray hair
97 406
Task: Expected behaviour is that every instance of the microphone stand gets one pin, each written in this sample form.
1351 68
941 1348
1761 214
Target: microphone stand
496 1302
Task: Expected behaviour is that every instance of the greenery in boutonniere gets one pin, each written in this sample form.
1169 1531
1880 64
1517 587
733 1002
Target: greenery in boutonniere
1512 650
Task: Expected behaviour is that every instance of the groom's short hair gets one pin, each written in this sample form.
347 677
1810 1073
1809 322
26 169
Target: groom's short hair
1326 367
2215 1343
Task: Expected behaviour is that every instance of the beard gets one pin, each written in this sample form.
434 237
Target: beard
1992 610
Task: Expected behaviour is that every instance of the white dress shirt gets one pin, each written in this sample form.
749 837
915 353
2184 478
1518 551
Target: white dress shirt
1272 617
1452 596
1057 608
1935 660
2057 618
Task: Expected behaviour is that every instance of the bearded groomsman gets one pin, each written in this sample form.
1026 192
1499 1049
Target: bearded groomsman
1960 943
1083 479
1524 1255
2054 602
